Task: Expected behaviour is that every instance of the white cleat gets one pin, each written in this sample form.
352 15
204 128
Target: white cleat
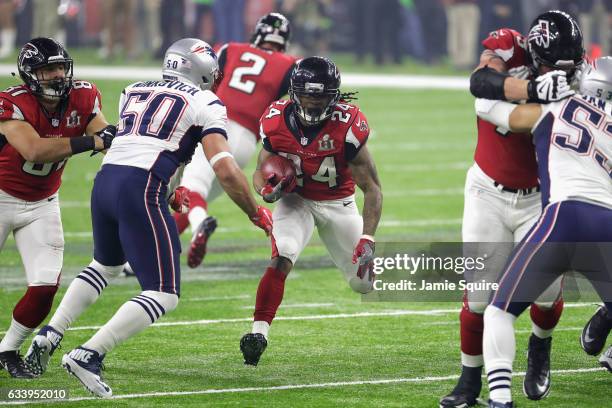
42 348
86 365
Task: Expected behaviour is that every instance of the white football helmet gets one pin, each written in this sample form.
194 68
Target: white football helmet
191 60
597 79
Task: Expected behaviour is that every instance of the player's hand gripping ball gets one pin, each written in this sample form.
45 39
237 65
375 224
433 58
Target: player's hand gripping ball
280 177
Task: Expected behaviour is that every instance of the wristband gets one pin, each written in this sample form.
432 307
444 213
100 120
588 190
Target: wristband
82 144
213 160
488 83
368 237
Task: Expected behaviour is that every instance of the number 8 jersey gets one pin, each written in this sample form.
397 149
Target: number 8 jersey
320 154
36 181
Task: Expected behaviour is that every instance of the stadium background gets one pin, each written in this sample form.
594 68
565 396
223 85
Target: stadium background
327 347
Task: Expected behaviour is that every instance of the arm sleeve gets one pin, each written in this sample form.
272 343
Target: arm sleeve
284 88
356 137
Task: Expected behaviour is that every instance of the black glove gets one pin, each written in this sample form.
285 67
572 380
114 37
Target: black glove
107 135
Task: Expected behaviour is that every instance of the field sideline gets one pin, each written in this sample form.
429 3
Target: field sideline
327 348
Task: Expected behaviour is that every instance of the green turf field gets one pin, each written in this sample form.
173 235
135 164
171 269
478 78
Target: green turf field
324 349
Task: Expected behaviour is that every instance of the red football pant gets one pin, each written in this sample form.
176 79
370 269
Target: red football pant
269 294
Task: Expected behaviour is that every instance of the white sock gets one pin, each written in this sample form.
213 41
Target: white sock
471 361
499 349
133 316
15 336
540 332
261 327
83 291
196 216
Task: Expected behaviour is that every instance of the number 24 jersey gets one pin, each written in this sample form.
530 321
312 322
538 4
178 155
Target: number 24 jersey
320 158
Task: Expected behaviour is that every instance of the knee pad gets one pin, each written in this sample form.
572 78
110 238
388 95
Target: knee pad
108 272
167 302
476 307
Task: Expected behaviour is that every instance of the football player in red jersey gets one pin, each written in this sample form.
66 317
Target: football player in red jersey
502 199
42 124
254 75
325 139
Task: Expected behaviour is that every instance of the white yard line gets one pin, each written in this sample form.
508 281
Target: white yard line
348 79
300 386
214 298
297 305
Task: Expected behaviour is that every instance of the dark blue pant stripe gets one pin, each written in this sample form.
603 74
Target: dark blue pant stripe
499 379
94 278
150 305
499 370
80 276
160 307
145 309
89 268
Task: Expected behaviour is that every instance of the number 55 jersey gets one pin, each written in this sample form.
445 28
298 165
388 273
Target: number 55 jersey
161 124
573 142
36 181
320 154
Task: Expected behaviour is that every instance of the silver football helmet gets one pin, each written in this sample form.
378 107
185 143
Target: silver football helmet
193 61
597 79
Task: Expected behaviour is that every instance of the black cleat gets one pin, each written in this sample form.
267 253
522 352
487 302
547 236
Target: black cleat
197 249
595 333
252 346
495 404
606 359
536 384
12 362
466 391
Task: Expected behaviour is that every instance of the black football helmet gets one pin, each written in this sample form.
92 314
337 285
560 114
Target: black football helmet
315 77
38 53
555 40
274 28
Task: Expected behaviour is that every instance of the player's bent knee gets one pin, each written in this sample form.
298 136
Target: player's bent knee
288 248
477 307
108 272
166 301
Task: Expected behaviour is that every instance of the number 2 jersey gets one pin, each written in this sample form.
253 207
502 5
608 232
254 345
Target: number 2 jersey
36 181
161 124
573 140
506 157
252 79
320 155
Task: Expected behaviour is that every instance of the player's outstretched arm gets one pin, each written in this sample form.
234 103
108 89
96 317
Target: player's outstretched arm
24 138
517 118
233 180
365 176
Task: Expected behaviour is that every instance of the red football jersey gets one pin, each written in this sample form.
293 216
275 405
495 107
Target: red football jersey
252 79
36 181
320 159
508 158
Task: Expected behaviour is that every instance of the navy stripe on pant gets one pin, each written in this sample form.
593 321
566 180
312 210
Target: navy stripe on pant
569 235
131 221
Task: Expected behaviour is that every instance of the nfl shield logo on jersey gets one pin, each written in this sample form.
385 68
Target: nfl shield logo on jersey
326 143
73 120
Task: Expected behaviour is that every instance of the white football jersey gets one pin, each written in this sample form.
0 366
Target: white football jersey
573 141
161 124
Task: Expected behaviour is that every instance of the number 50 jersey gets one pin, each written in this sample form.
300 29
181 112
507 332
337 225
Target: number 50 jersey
161 124
320 155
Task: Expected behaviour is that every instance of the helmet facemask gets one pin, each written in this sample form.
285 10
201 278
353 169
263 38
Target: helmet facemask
313 103
54 88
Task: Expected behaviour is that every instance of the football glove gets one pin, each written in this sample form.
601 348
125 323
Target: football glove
364 254
263 219
107 135
580 69
179 200
550 87
272 193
